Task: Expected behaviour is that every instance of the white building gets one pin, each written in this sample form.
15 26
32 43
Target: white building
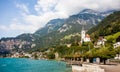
87 38
117 44
101 42
84 37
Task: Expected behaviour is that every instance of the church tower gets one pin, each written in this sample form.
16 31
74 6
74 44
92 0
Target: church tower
82 34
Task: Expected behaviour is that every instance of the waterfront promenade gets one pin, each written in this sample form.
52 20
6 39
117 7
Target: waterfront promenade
87 68
96 68
111 68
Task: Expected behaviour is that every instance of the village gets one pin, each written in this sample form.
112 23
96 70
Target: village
43 55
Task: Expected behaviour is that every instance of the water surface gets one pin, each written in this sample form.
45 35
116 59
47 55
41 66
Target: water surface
28 65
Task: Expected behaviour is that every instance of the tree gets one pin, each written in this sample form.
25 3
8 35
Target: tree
51 55
106 53
62 50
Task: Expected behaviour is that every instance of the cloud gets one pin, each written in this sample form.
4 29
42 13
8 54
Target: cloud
50 9
75 6
17 27
23 7
45 5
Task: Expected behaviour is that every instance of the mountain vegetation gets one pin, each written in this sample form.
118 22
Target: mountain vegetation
107 26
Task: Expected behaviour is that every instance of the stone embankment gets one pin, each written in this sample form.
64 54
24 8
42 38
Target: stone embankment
87 68
111 68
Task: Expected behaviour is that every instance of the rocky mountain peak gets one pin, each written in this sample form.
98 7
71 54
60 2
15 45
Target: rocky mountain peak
89 11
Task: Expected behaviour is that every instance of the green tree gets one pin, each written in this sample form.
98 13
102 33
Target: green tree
106 53
51 55
62 50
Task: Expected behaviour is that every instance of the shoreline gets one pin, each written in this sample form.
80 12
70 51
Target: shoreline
90 67
111 68
87 68
96 68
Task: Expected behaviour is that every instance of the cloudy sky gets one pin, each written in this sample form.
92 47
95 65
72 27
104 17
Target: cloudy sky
26 16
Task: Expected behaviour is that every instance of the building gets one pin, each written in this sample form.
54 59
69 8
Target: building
101 41
87 38
84 37
117 44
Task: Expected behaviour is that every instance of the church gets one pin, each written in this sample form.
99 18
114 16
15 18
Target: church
84 37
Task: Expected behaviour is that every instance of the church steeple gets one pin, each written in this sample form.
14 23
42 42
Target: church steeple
84 37
82 22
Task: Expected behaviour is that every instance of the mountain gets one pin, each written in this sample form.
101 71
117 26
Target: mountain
23 42
55 32
51 26
108 26
87 17
26 37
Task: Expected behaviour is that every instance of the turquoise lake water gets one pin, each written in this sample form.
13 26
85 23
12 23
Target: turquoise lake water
28 65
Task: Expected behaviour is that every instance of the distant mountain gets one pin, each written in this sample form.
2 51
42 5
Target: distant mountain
23 42
108 26
51 26
26 37
54 32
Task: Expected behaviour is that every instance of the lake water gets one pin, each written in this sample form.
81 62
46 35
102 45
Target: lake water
28 65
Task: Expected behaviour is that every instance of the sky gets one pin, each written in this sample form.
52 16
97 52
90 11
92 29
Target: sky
27 16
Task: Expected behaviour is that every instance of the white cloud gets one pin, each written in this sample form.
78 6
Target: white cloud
75 6
51 9
23 8
18 27
45 5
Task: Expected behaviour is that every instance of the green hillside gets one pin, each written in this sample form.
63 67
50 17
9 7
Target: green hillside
108 26
113 37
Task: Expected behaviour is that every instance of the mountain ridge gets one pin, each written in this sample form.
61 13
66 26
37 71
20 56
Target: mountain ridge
72 25
55 30
108 26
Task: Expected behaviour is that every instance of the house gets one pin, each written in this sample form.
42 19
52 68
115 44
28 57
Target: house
87 38
117 44
101 42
